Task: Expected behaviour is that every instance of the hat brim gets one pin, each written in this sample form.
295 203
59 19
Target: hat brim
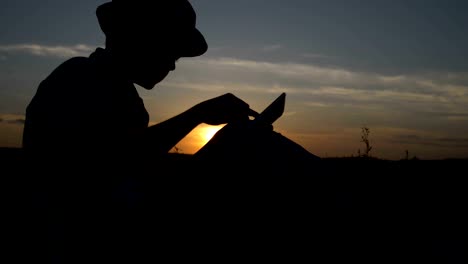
194 44
191 44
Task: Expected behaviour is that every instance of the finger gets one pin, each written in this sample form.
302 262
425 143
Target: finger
253 113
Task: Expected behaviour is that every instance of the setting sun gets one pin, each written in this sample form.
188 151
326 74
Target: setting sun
197 139
207 132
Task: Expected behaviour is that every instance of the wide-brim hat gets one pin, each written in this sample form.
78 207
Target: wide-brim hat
170 21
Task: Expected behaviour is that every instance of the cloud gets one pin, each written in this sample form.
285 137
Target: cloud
290 70
12 119
454 116
319 86
49 51
316 56
19 121
452 142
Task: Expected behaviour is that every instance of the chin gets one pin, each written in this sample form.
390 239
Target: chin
148 87
149 84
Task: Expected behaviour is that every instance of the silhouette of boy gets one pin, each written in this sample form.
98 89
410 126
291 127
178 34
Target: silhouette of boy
91 106
88 109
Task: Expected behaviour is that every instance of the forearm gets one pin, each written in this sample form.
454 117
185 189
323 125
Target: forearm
162 137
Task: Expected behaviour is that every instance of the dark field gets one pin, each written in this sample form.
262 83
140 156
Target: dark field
342 210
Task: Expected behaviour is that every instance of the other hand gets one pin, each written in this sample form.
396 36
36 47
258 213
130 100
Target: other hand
223 109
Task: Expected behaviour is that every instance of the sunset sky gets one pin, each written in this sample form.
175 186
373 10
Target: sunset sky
398 67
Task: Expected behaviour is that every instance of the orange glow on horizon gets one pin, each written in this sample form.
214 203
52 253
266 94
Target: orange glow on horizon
196 139
208 132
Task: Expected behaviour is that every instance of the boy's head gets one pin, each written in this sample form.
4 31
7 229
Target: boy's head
150 36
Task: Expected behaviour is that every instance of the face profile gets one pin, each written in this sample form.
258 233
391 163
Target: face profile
150 67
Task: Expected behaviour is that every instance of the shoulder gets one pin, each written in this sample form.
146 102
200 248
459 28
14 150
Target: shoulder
72 73
74 62
65 81
97 67
72 67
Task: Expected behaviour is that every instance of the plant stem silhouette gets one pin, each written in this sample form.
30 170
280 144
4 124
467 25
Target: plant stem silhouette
365 131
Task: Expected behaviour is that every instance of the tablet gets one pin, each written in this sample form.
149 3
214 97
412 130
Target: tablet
273 111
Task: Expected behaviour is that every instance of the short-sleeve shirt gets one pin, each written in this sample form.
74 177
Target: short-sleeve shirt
85 104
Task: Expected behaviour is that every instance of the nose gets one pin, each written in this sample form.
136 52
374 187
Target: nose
172 66
173 62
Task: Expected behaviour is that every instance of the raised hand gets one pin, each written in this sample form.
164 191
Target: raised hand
223 109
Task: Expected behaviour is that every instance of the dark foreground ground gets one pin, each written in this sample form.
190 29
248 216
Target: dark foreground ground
335 211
